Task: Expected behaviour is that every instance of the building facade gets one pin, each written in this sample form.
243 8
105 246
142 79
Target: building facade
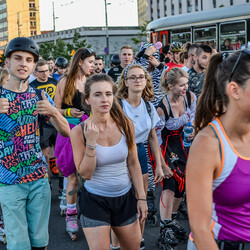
96 37
18 18
156 9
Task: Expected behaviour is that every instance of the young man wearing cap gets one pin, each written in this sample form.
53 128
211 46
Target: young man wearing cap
24 188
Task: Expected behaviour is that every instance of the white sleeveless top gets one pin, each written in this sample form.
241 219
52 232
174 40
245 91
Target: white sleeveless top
110 178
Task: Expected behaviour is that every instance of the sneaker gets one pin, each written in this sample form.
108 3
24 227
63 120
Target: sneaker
71 221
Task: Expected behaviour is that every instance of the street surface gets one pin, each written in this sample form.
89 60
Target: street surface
59 239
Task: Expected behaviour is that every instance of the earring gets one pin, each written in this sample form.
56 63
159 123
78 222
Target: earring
236 98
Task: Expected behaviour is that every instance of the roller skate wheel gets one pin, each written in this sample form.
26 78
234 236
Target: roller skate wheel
72 236
154 220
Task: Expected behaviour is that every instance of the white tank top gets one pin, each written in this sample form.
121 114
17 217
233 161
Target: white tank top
110 178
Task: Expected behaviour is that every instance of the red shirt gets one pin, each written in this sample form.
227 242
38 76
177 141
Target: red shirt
173 65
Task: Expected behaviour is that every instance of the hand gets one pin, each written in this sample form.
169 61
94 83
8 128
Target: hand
159 175
4 105
167 171
91 132
150 50
76 113
191 136
142 209
44 107
154 61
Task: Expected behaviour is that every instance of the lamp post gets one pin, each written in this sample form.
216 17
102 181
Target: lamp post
107 32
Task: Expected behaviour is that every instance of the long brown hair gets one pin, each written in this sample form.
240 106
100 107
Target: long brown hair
116 112
213 99
147 93
71 75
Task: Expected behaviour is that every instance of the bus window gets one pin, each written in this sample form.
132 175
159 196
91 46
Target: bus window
164 39
205 35
233 35
181 35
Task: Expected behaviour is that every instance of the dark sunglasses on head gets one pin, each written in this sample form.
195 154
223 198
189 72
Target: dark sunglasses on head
247 51
90 51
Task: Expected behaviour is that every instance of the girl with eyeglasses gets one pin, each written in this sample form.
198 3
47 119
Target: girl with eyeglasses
68 99
135 90
218 168
175 110
105 156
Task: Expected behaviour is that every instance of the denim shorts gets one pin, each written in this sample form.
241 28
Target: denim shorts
142 155
26 210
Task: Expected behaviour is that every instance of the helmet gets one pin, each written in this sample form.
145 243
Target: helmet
115 60
22 44
176 47
61 62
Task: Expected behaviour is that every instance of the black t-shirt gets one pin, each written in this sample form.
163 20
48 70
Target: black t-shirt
49 87
115 72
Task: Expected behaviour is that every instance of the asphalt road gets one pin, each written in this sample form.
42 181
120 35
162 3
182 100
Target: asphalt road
59 239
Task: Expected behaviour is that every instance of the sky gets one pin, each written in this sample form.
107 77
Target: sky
77 13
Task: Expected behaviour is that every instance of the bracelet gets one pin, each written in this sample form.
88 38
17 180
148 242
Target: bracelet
67 112
90 146
141 199
90 155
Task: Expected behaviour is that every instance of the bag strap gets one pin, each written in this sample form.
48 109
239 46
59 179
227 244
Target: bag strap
162 106
188 98
148 107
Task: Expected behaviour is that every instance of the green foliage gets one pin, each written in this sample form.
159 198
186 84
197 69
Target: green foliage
142 35
60 48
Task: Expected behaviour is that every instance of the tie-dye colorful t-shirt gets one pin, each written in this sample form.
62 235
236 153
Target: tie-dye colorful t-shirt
21 158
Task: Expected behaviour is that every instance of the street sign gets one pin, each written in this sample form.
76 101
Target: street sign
106 50
72 52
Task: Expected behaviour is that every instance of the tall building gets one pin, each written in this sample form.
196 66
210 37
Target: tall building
18 18
155 9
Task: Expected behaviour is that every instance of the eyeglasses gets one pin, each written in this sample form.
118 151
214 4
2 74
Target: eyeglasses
247 51
135 78
42 71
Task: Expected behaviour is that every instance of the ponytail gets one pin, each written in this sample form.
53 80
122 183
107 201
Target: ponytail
212 100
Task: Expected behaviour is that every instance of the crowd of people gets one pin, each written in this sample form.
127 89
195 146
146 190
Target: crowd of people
110 137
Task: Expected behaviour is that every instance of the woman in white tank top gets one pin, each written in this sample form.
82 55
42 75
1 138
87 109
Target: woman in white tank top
105 155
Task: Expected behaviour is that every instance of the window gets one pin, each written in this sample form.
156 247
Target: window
214 3
181 35
206 34
180 6
31 23
231 2
196 5
31 32
201 4
172 8
189 6
165 8
34 32
232 35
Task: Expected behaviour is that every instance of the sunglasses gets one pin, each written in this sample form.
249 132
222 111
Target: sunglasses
90 51
247 51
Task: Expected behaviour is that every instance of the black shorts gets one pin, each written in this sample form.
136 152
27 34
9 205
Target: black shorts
172 184
48 137
110 211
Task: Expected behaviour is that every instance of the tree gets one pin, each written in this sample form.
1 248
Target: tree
142 35
61 48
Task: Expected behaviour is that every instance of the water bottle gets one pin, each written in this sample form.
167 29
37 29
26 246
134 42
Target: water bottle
187 131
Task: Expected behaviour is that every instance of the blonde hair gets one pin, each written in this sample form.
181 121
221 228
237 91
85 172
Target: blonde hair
147 93
171 77
3 74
